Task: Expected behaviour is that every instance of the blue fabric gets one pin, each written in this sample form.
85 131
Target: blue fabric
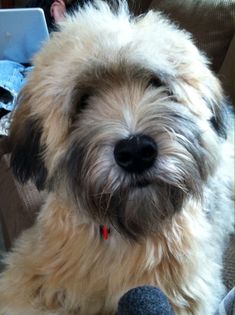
227 306
12 79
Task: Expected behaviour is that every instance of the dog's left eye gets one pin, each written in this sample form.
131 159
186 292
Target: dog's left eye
155 82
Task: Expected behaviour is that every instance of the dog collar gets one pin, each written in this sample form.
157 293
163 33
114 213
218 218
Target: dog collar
104 232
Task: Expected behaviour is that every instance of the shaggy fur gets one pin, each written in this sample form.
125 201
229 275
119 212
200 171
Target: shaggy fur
107 76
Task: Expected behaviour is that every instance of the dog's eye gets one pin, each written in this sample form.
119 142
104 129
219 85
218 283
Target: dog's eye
155 82
84 100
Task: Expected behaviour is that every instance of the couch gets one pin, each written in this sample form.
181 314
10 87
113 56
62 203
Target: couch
211 25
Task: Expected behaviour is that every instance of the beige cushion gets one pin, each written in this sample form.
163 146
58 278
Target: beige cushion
210 22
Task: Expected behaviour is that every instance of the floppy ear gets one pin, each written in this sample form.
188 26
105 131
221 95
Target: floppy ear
206 83
27 151
216 101
220 119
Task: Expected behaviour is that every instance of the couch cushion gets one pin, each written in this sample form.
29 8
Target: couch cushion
228 261
210 22
138 7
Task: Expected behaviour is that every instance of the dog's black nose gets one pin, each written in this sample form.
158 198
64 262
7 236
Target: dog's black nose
136 154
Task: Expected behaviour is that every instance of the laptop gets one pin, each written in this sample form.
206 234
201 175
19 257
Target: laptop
22 33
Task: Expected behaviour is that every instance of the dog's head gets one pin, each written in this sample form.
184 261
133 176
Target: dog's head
121 116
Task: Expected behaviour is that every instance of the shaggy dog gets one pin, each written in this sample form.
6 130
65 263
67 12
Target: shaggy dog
123 124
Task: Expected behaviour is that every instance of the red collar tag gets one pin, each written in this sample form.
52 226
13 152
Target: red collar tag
104 232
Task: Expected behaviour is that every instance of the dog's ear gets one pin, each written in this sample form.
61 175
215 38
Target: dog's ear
26 147
210 90
220 120
215 100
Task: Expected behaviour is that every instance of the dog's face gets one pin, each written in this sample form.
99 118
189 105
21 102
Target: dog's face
120 117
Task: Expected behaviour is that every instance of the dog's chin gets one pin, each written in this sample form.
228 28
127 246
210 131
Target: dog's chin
136 205
136 210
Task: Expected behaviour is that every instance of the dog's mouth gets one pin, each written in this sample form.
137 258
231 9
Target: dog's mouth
140 183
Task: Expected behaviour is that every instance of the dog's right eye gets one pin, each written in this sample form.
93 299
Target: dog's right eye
84 101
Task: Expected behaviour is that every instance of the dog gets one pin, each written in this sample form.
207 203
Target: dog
125 128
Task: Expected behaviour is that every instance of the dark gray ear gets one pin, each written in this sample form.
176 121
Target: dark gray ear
27 154
220 120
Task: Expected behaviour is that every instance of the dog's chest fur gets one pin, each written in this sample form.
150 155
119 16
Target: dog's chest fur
78 272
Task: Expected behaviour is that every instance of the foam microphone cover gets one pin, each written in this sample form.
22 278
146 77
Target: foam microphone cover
145 300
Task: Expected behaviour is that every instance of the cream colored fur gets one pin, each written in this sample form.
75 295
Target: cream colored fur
61 266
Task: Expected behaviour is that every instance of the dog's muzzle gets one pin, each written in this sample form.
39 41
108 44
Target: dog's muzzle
136 154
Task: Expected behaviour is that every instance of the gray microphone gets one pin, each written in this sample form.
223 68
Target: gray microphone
145 300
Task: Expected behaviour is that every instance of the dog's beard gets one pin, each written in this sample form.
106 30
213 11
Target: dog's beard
135 205
136 211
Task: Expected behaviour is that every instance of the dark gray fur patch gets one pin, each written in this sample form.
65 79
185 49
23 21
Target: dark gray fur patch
27 155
